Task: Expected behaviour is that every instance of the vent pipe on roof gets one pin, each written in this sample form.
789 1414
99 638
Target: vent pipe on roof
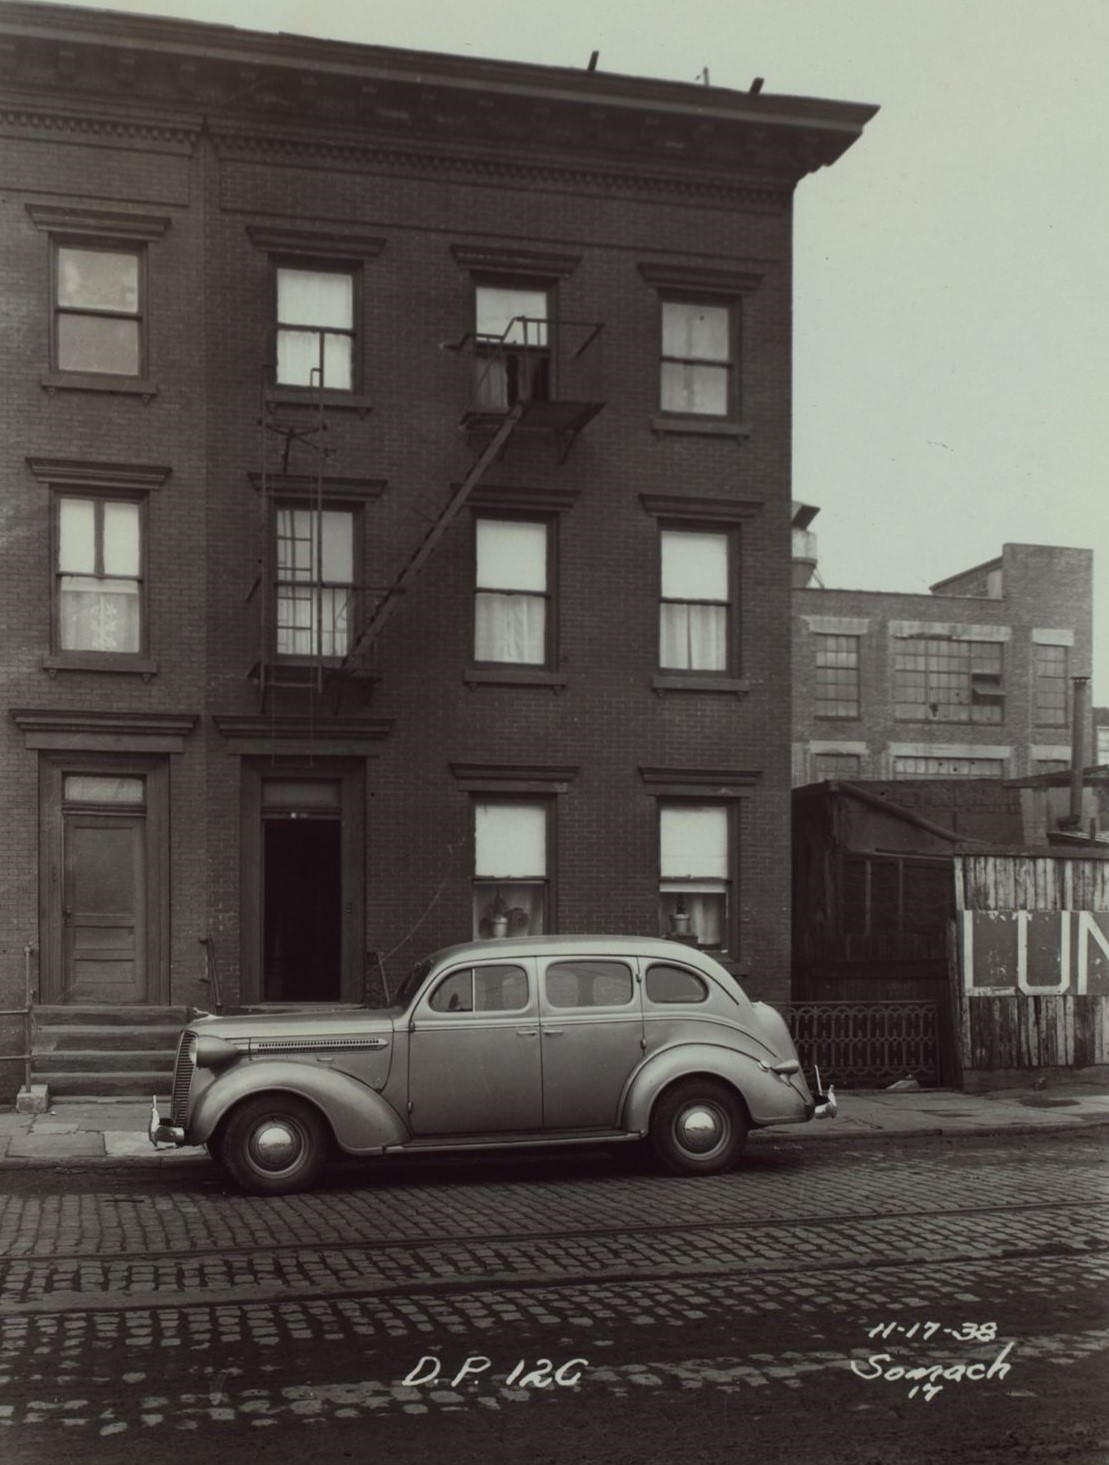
1080 716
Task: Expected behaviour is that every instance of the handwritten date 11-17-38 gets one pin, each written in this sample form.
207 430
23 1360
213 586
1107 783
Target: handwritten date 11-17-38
964 1333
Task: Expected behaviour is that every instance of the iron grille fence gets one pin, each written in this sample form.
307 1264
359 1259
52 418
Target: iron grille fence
866 1043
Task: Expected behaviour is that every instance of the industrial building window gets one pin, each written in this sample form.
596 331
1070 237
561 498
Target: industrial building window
696 601
512 611
314 581
98 309
99 597
315 327
512 358
1049 671
836 765
941 767
697 375
837 675
511 861
695 871
942 680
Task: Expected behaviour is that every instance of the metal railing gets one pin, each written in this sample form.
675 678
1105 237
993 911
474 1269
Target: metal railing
26 1013
866 1043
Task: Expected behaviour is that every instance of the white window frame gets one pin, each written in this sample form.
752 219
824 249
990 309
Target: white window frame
324 332
697 870
511 877
497 593
328 645
670 533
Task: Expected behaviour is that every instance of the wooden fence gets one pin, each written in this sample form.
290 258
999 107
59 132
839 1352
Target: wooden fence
1032 937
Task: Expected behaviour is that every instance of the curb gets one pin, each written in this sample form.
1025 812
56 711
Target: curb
176 1159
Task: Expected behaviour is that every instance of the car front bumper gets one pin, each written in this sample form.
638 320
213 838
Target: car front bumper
162 1134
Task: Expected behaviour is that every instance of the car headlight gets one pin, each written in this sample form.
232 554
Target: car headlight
213 1052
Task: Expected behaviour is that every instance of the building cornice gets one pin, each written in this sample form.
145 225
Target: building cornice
86 59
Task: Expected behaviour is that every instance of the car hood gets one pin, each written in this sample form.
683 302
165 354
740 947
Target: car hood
301 1022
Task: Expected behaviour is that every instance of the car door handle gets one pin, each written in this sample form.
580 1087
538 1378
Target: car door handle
525 1032
553 1032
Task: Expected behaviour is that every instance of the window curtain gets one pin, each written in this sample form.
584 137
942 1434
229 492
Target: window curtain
693 637
510 628
99 615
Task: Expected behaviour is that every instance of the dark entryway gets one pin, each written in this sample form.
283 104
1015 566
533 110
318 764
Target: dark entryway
302 938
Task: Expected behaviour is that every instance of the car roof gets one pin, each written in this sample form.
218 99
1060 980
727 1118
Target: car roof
585 944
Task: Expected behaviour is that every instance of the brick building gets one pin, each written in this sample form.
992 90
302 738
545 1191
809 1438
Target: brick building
973 680
396 508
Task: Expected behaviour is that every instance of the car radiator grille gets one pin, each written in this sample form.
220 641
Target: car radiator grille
182 1078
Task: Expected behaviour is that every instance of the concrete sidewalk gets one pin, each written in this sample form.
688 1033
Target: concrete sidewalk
76 1134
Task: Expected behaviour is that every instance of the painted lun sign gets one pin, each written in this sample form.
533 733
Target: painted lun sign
1038 953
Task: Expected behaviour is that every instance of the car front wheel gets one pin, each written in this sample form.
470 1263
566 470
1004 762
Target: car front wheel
698 1128
273 1145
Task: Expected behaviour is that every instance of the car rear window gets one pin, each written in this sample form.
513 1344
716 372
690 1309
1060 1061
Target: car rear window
675 984
585 983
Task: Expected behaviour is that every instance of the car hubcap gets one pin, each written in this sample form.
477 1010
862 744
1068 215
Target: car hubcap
700 1129
275 1145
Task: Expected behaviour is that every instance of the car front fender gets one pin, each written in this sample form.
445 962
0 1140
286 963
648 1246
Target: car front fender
362 1122
770 1097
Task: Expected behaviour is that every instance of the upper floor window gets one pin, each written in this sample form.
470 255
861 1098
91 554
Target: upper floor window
511 604
939 766
510 867
314 581
513 346
98 309
695 871
941 680
1050 683
836 765
696 601
315 327
99 601
698 358
836 688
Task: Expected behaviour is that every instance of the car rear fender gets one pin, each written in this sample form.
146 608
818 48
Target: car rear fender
770 1098
360 1119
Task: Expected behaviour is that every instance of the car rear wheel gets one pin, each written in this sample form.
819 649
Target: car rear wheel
698 1128
273 1145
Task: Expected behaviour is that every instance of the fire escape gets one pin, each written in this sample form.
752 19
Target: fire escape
539 378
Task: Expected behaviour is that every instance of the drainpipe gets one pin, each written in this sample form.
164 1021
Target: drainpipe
1080 716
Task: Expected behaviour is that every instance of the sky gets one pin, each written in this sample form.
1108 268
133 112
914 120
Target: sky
951 337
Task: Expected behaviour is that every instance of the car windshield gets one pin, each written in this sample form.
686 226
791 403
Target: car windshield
412 982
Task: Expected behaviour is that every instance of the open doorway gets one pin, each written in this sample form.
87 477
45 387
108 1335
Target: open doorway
302 891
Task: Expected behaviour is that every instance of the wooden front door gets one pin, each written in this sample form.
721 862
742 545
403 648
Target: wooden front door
104 908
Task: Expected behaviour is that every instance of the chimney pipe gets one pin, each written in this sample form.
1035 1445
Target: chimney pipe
1080 716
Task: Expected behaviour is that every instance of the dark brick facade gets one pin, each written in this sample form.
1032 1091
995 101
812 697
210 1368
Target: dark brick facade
271 149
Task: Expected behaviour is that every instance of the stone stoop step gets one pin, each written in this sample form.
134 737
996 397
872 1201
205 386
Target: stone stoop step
105 1052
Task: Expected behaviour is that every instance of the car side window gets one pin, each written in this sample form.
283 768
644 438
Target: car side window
587 983
482 989
454 993
674 984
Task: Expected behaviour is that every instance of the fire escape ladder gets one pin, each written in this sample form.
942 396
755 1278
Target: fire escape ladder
420 555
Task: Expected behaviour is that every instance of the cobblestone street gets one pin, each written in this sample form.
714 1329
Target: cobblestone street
163 1309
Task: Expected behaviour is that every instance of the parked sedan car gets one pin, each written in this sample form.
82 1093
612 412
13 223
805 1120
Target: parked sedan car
545 1040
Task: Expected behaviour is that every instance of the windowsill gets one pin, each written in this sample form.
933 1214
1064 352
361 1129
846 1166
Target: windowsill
514 676
997 723
289 396
92 381
837 717
124 662
680 682
692 423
